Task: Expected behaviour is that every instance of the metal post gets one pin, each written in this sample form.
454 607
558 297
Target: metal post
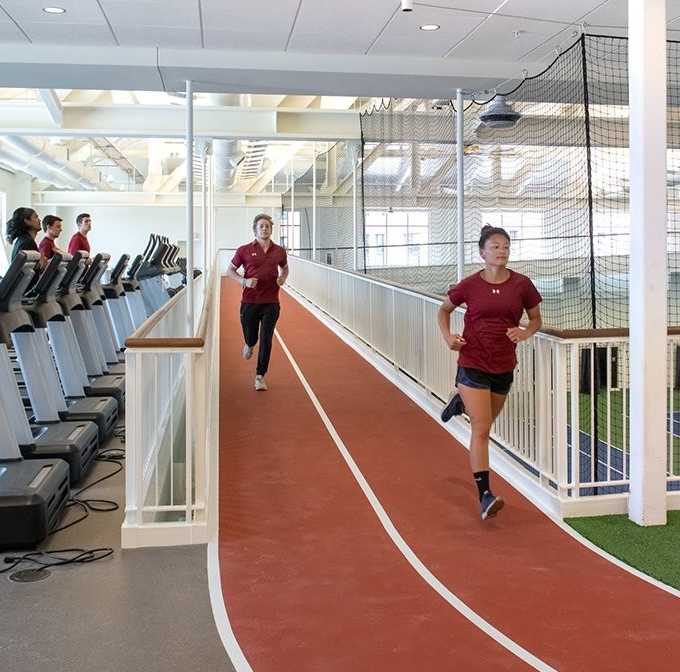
314 200
190 205
460 182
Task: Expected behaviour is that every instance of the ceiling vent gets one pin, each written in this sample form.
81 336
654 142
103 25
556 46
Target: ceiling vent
498 114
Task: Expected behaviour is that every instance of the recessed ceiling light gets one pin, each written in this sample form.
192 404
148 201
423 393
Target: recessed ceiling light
54 10
430 26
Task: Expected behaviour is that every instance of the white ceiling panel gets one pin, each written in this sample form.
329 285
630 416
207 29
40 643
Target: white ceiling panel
321 31
11 34
546 52
165 37
69 33
672 10
566 12
351 33
608 15
480 6
405 36
252 16
342 42
84 12
504 38
152 13
356 31
244 40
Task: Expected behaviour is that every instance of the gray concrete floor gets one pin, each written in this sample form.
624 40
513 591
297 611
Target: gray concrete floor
136 610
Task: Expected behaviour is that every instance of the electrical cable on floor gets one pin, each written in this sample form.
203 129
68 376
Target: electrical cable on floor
51 558
111 454
48 558
87 505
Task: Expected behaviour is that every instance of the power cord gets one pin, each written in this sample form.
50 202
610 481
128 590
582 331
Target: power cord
111 454
87 505
52 558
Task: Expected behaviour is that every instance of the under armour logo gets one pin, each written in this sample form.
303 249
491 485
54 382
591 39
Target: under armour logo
495 291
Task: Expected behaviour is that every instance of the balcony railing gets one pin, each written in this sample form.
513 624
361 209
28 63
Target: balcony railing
171 420
563 436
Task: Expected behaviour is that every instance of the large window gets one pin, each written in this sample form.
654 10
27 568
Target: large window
396 238
290 230
611 233
525 230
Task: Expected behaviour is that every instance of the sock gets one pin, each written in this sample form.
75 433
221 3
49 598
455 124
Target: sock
482 481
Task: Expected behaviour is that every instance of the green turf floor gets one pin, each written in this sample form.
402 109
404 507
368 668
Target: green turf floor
651 549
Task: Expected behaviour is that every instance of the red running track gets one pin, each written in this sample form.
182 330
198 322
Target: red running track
315 578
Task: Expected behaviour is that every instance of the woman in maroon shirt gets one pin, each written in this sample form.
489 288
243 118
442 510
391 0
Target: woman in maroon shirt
496 298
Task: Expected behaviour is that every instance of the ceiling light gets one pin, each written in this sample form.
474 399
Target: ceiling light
430 26
54 10
498 114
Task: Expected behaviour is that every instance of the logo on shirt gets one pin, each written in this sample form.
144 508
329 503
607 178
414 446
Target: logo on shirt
495 291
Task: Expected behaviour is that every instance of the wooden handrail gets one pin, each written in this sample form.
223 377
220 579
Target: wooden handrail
138 340
164 343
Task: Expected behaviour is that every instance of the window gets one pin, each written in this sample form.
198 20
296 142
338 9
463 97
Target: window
525 230
396 238
289 236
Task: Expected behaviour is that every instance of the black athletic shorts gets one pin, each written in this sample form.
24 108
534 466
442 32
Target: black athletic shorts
498 383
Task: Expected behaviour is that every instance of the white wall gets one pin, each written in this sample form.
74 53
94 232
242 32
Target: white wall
17 190
234 226
126 229
122 229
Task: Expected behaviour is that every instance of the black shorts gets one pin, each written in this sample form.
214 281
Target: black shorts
498 383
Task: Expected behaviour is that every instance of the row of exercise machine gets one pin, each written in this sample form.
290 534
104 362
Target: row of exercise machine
62 372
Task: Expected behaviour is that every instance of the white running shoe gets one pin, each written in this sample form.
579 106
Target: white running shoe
259 383
247 351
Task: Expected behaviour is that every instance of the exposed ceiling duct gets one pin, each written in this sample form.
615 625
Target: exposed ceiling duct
226 153
36 157
226 157
253 163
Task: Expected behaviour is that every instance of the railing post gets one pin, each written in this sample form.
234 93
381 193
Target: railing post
545 399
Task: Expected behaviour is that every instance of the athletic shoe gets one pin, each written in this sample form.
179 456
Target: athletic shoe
491 505
453 407
247 351
259 383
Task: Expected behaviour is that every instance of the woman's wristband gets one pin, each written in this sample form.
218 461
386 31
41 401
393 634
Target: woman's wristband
243 282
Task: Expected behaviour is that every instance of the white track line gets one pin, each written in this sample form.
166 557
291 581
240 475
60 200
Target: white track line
415 392
399 542
231 645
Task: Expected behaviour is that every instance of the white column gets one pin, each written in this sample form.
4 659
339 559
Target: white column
648 263
460 183
190 205
314 202
353 151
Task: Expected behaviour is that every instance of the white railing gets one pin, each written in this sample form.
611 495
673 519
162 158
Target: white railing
563 445
171 419
563 435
